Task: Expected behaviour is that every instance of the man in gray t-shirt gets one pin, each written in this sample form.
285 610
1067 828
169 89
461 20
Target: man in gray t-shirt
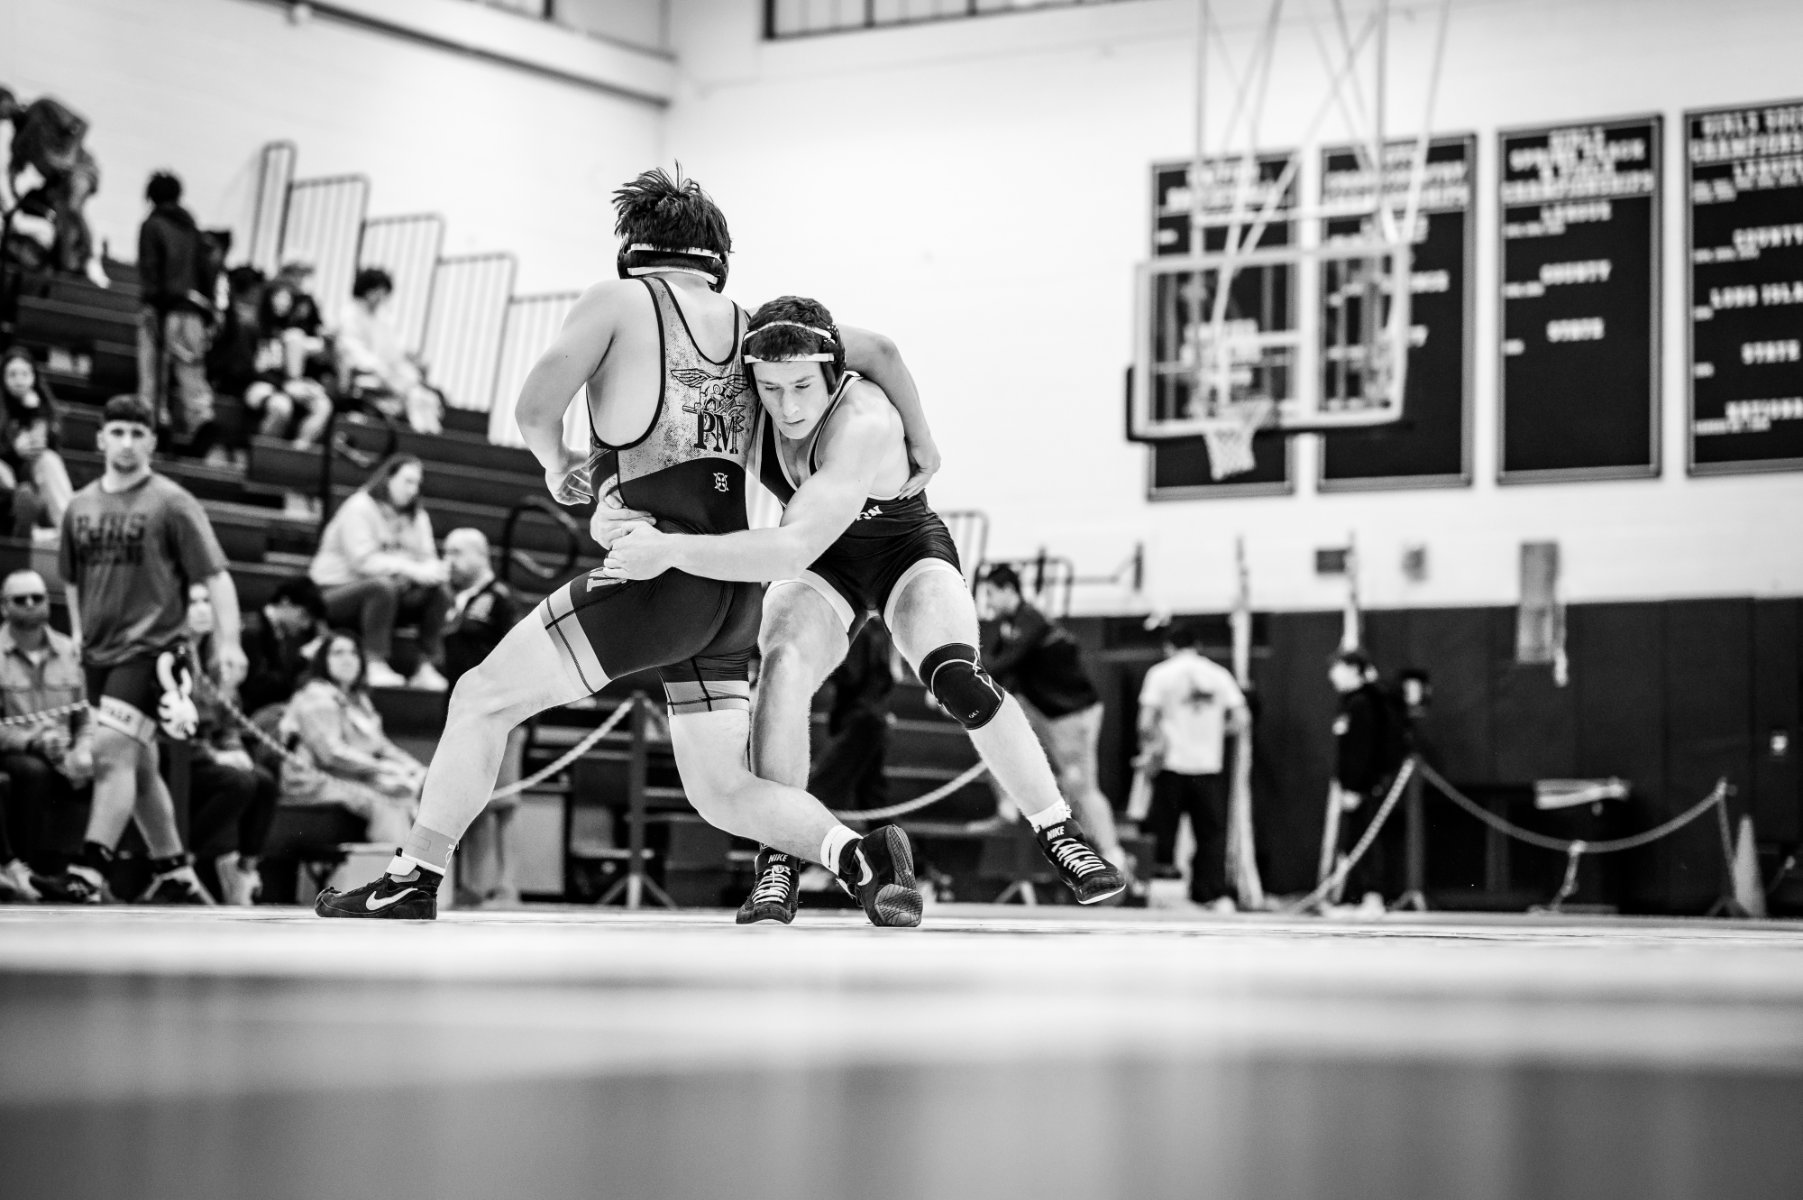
132 544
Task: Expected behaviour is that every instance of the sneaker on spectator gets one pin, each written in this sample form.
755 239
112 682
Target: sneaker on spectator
1089 876
16 877
380 675
180 886
778 888
78 885
238 884
427 679
1371 906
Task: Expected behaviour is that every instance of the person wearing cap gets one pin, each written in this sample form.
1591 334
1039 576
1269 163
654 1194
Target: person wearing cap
132 543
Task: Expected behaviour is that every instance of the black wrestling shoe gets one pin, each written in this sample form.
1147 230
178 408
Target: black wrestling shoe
1089 876
777 891
180 886
878 869
412 897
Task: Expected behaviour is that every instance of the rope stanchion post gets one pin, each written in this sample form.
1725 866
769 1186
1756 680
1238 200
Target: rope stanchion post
634 884
1414 820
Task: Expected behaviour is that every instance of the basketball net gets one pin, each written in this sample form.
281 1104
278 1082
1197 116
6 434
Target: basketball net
1229 435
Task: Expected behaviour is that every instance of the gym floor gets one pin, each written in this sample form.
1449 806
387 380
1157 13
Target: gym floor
995 1052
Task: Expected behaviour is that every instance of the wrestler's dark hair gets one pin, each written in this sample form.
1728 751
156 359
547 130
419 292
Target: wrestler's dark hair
128 408
669 210
773 341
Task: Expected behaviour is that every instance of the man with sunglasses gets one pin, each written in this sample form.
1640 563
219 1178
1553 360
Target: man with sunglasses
46 758
133 542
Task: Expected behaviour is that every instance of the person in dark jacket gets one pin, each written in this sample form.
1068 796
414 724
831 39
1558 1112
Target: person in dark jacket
482 610
178 306
279 642
849 772
1036 659
1365 760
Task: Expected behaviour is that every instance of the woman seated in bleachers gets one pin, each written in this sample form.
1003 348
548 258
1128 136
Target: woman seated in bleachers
377 563
379 373
30 435
338 753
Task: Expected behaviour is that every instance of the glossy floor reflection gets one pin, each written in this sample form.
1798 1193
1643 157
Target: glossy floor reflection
992 1053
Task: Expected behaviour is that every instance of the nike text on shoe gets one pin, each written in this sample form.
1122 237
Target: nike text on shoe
878 869
1089 876
410 898
776 892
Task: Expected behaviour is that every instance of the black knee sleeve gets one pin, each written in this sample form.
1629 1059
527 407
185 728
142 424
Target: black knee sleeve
961 685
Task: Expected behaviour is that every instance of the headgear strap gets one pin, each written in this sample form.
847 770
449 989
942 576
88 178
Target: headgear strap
818 332
656 249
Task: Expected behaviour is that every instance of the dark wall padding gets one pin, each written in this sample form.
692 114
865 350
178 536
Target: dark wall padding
1669 696
1618 679
1777 696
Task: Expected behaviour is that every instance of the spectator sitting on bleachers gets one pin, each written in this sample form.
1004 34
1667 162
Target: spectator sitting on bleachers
377 562
289 313
280 641
231 800
50 759
267 371
338 751
178 304
30 436
380 373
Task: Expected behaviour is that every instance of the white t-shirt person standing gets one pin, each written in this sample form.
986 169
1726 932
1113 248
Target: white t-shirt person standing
1188 706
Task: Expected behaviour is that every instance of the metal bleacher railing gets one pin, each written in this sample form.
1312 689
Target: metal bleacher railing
470 294
513 557
408 249
324 227
275 173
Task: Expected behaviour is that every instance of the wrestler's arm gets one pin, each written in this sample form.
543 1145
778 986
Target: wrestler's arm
573 356
822 509
875 357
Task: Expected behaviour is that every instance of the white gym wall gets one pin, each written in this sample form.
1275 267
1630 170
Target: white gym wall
980 190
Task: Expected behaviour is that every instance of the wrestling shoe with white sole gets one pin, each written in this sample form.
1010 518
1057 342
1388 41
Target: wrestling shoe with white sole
878 869
1089 876
777 892
390 897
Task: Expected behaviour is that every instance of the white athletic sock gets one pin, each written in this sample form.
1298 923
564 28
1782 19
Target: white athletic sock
1048 816
403 865
833 845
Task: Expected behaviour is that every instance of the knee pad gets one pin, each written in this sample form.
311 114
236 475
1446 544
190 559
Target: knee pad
961 685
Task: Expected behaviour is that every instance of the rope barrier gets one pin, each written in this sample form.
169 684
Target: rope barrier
1337 877
917 803
1563 845
531 781
46 714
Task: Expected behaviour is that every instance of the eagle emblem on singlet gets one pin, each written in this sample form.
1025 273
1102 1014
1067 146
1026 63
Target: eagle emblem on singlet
720 414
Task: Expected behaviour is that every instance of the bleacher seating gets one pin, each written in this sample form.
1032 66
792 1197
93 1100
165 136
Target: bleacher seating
86 335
